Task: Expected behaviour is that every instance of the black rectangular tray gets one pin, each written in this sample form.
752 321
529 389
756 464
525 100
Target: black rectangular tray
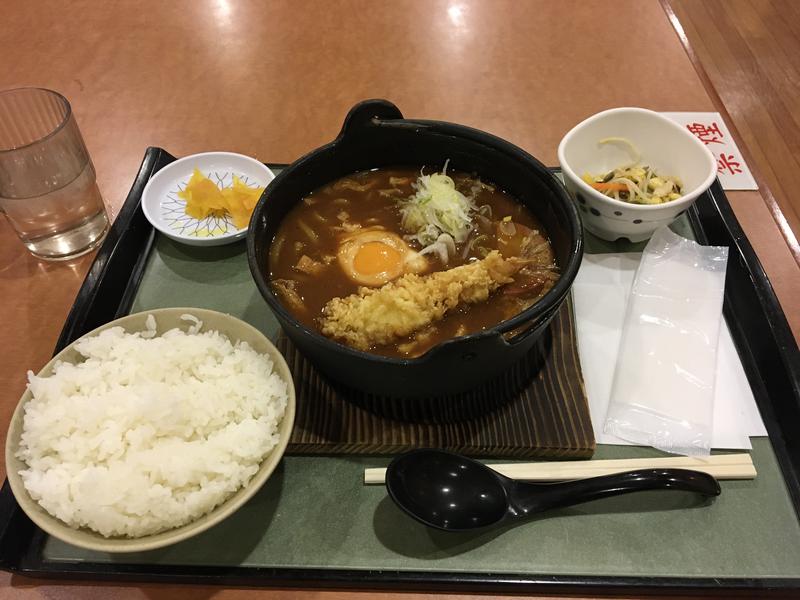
766 347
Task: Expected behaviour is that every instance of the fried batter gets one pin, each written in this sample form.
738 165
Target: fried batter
381 316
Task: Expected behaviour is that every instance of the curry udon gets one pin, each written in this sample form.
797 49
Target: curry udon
393 261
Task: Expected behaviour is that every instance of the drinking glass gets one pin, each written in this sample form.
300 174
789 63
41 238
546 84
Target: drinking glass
48 189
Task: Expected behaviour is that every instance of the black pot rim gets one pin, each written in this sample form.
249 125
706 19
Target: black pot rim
542 309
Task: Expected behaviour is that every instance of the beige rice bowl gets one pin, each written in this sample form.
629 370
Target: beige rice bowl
148 433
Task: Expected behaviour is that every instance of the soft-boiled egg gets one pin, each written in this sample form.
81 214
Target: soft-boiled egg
374 256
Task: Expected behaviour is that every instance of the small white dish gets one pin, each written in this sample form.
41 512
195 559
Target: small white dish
165 210
663 144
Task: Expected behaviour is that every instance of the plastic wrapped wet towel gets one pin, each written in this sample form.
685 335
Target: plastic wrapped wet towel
663 389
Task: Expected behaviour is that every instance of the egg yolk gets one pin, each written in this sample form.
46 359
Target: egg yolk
376 257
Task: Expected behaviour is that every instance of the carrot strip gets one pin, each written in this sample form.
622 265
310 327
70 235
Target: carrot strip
609 187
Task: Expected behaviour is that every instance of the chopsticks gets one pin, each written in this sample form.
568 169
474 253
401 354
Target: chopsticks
721 466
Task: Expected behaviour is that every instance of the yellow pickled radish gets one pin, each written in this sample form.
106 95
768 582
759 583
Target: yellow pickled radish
204 198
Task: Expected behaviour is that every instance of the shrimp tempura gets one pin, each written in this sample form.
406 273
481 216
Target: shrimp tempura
386 314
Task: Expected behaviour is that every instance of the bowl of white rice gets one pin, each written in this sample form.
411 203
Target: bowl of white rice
150 429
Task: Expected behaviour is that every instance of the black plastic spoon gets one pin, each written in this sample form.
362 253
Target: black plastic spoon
455 493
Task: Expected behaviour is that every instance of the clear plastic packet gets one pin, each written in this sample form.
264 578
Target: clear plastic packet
663 389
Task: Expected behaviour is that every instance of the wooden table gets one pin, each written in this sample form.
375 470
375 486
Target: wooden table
274 80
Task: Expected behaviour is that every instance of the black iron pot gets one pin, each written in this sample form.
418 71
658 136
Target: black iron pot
376 135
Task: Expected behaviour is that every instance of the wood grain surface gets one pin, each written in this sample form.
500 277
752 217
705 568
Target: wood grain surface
749 50
537 409
31 589
274 80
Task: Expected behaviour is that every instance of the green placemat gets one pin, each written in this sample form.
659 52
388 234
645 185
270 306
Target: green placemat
315 512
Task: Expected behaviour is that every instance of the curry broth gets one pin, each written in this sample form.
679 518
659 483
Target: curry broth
316 226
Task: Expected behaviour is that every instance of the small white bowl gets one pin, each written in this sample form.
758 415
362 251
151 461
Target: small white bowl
166 211
666 146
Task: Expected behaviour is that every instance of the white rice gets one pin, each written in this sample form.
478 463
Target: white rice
149 433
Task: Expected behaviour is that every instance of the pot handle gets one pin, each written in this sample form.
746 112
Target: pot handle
518 338
364 115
